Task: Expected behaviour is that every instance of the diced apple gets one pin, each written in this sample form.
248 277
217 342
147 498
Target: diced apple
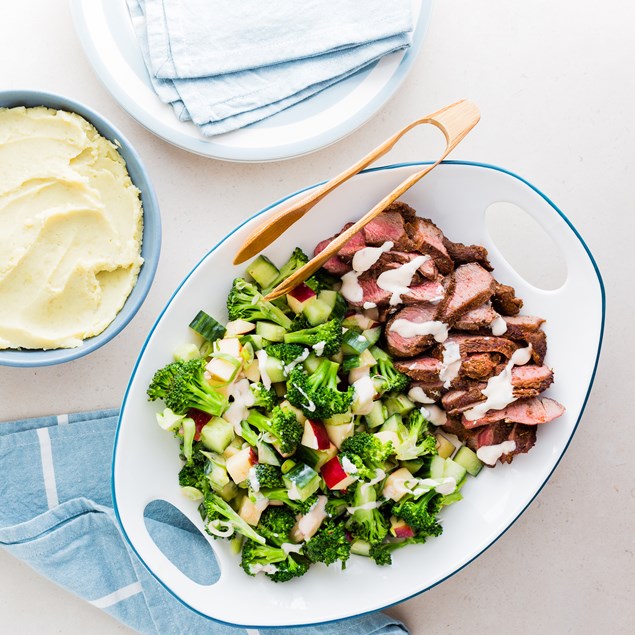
400 529
239 327
220 370
337 433
252 372
315 435
324 456
395 485
239 464
229 346
307 525
335 475
249 511
445 448
388 435
298 297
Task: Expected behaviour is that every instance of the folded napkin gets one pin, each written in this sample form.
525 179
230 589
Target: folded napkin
56 515
225 64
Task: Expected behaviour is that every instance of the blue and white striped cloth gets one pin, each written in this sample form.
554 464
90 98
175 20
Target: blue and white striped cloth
56 515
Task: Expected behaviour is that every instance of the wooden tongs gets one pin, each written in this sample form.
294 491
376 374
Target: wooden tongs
454 121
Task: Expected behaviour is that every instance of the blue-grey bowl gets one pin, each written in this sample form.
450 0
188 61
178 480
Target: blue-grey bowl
151 246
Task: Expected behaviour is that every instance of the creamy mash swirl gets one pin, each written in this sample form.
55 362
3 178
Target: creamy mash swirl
70 229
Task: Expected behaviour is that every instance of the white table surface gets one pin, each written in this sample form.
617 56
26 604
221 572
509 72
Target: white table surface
555 84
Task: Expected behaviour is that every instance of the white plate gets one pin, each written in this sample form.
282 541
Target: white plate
106 34
456 196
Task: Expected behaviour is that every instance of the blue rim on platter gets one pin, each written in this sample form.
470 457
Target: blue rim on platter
106 35
564 449
151 246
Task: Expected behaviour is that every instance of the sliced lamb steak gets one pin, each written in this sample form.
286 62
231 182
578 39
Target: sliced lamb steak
428 239
480 318
389 225
337 266
505 301
393 259
530 411
479 366
424 369
399 346
480 344
528 329
431 388
472 286
462 254
432 292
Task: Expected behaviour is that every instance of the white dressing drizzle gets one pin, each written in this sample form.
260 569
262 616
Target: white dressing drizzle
369 305
364 391
435 415
298 360
451 364
418 394
350 287
365 258
289 547
264 568
499 326
409 329
397 281
491 453
319 348
499 390
364 507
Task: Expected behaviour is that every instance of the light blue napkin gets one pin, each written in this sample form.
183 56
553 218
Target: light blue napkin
227 64
56 515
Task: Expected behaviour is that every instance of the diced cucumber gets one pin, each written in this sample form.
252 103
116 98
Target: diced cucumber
312 362
467 458
216 475
302 481
453 469
274 368
358 321
187 352
372 335
350 362
316 311
257 341
354 343
413 466
207 326
377 415
270 331
392 424
399 404
266 454
336 301
360 548
340 419
217 434
287 466
437 465
263 271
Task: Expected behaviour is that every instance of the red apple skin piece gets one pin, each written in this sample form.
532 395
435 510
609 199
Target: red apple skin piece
302 293
401 530
201 419
333 472
322 437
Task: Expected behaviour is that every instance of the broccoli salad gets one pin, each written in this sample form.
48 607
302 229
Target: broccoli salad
298 436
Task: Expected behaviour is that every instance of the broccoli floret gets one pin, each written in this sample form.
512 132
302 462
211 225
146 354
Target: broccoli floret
329 544
282 424
245 302
192 474
221 514
391 378
415 438
263 398
286 353
330 333
299 322
268 476
182 386
247 433
321 280
282 495
275 524
317 394
275 563
382 553
367 522
337 506
297 259
372 452
421 513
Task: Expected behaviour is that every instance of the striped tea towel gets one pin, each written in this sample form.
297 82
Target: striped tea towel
56 515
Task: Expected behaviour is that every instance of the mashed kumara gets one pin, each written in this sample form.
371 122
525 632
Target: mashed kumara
70 229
